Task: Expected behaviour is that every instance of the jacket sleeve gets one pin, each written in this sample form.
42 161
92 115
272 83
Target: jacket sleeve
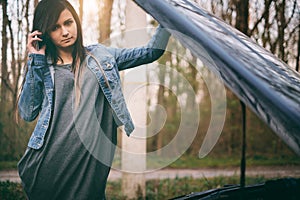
32 93
130 57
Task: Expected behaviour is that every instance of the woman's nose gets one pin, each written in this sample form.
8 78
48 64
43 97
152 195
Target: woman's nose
65 32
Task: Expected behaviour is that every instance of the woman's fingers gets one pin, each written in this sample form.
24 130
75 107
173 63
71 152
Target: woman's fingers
34 36
32 45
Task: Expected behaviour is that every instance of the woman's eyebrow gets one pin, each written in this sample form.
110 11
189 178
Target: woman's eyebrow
69 19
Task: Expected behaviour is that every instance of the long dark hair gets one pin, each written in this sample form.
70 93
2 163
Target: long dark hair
46 15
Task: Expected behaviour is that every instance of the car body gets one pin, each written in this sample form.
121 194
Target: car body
265 84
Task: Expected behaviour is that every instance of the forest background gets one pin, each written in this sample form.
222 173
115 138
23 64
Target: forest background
273 24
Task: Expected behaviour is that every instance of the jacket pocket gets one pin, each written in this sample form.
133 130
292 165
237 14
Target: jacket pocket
110 71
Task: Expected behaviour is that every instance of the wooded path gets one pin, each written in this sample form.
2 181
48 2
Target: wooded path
115 175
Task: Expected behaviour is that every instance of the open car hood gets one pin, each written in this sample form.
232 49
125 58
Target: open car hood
269 87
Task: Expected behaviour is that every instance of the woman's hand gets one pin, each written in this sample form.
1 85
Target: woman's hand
32 45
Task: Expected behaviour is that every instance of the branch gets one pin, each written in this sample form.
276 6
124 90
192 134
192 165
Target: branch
293 13
6 83
263 16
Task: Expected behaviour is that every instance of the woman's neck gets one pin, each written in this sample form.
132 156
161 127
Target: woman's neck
65 55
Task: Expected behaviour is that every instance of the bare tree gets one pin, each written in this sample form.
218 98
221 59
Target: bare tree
298 54
14 31
242 15
81 10
104 19
4 71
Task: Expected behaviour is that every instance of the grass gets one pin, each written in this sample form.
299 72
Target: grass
155 189
7 165
168 188
208 162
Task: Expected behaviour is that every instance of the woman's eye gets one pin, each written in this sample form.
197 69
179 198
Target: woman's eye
54 28
69 22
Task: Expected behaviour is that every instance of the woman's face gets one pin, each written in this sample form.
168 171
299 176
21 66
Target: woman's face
64 33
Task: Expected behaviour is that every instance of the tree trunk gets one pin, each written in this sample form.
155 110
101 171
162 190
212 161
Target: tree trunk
192 78
80 10
134 184
4 72
104 19
11 83
160 101
242 24
280 7
242 15
298 53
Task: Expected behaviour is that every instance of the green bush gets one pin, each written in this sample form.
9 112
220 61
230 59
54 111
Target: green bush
155 189
169 188
11 191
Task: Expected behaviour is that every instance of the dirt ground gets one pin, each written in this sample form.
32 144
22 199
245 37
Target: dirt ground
269 172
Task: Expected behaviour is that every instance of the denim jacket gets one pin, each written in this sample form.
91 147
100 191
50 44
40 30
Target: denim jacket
36 98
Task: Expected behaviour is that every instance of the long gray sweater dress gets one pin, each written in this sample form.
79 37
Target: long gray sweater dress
75 159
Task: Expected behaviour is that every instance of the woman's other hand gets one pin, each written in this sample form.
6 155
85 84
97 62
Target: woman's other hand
33 41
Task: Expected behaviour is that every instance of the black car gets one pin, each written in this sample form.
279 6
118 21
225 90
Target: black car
265 84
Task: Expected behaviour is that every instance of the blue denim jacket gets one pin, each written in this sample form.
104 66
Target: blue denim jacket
36 98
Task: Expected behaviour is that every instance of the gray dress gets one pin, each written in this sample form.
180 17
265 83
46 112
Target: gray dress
75 159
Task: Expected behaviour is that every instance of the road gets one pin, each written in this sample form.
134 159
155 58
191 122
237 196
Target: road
269 172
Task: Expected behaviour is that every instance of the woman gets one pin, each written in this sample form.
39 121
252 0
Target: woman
76 92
